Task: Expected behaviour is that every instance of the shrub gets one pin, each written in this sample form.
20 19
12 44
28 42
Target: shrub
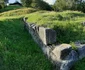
81 7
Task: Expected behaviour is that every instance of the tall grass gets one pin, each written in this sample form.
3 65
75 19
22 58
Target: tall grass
67 24
18 51
18 12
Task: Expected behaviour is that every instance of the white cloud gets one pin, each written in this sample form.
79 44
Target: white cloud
50 1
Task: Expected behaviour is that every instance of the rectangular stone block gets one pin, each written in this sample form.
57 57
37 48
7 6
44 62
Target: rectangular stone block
48 36
62 51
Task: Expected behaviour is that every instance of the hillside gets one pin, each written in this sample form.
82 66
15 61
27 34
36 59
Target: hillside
18 51
18 12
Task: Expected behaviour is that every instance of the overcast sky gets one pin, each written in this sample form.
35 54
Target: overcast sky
48 1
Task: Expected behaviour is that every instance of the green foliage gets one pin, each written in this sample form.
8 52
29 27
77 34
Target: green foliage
61 5
26 3
65 4
2 5
39 4
81 7
73 46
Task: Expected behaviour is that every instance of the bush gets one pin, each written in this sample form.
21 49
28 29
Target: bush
2 5
39 4
26 3
81 7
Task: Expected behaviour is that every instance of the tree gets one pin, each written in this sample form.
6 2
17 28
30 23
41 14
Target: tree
2 4
40 4
6 1
65 4
81 6
26 3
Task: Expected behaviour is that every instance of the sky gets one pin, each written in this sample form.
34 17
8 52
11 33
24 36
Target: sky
48 1
12 1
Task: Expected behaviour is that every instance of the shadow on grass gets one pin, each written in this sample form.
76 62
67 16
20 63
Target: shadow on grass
18 51
70 32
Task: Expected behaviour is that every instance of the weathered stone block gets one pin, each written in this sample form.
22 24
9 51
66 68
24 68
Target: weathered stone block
48 36
81 52
62 51
71 59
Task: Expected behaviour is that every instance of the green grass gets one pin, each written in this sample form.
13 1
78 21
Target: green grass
18 12
10 7
67 24
80 65
18 51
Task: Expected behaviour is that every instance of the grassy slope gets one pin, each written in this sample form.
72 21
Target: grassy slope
18 12
18 51
67 24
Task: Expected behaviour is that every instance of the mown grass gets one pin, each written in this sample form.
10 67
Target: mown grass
67 24
10 7
18 51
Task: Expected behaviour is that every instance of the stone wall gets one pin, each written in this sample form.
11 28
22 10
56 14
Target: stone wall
62 56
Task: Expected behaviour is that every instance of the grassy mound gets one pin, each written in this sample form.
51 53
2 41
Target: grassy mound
67 24
18 51
18 12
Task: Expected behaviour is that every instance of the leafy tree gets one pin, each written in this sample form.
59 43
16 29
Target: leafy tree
81 6
26 3
65 4
2 4
40 4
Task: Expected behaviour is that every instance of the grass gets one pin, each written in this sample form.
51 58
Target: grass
67 24
18 12
10 7
80 65
18 51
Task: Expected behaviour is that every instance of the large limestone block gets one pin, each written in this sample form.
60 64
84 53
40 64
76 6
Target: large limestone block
62 51
48 36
